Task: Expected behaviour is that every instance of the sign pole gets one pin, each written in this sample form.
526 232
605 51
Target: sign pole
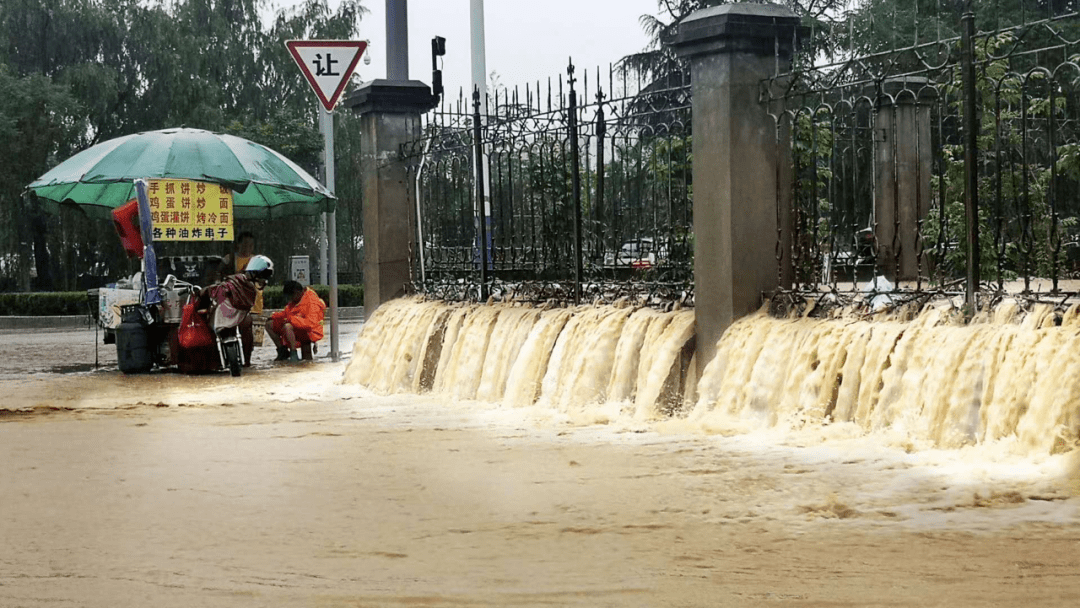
327 66
326 125
323 239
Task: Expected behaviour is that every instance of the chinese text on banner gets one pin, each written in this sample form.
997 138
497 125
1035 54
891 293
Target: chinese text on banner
185 210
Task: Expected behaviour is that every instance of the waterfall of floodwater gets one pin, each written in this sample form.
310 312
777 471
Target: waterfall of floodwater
570 359
935 380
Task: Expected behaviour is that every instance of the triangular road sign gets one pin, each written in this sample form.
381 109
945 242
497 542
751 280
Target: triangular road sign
327 65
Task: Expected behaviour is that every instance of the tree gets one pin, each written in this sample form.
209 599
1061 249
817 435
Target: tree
124 66
38 119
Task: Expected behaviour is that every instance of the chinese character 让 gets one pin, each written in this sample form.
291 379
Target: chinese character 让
329 69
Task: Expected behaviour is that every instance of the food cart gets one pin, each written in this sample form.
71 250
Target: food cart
103 180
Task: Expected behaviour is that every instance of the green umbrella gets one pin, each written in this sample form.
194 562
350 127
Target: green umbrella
265 184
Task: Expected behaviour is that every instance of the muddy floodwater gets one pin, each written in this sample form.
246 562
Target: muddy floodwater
287 488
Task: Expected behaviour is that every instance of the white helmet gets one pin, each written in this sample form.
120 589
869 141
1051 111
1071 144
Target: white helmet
261 267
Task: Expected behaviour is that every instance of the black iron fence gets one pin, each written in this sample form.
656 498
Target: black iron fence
588 192
948 166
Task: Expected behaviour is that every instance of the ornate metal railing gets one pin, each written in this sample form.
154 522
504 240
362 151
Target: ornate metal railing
950 166
588 192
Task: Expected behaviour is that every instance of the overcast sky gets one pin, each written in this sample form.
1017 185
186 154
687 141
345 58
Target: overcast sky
526 39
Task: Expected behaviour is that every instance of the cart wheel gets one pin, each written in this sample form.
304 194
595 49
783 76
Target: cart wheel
232 357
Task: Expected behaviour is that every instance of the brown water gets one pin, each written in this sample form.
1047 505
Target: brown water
573 360
288 487
1007 379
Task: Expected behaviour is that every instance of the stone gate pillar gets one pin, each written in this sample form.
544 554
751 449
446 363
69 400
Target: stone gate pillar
390 116
731 49
902 157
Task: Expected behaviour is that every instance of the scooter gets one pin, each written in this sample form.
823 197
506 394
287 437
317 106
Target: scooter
225 322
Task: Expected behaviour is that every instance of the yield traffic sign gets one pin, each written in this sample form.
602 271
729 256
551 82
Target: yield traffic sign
327 65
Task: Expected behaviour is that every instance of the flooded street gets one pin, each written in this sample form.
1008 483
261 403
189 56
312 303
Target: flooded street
286 488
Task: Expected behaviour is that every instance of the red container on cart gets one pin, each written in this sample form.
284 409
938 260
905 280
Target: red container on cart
126 220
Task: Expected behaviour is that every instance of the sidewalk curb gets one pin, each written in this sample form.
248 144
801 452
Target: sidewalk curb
348 313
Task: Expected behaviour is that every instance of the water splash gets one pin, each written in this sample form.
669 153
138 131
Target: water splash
929 379
568 359
934 380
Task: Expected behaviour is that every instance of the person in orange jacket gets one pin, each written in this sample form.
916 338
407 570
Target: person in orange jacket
299 326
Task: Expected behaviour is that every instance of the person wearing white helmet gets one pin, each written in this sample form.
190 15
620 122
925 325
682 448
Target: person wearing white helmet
260 268
242 290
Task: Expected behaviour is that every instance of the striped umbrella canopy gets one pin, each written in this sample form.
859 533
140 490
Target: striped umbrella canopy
265 184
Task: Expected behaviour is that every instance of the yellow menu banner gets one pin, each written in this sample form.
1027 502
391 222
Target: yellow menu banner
187 210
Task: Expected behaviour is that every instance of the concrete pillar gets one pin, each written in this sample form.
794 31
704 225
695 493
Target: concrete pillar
731 49
902 160
390 116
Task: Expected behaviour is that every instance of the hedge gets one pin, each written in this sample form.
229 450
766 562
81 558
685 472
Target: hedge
41 304
348 295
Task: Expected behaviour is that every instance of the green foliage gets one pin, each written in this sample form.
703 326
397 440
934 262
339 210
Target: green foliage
1016 220
348 295
38 121
74 73
58 303
44 304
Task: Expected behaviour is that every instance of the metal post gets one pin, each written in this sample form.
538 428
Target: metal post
971 174
575 177
478 57
397 40
478 142
478 54
601 130
326 124
146 228
323 240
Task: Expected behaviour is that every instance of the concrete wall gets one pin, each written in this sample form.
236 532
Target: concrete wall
738 174
902 160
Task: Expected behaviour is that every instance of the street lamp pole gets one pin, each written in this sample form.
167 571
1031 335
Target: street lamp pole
397 39
479 84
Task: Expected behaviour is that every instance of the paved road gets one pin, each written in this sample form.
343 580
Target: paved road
284 488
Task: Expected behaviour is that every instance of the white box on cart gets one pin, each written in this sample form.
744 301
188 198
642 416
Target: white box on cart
110 299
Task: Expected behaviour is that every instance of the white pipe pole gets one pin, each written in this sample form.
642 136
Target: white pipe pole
322 243
420 212
478 54
397 40
326 124
479 81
